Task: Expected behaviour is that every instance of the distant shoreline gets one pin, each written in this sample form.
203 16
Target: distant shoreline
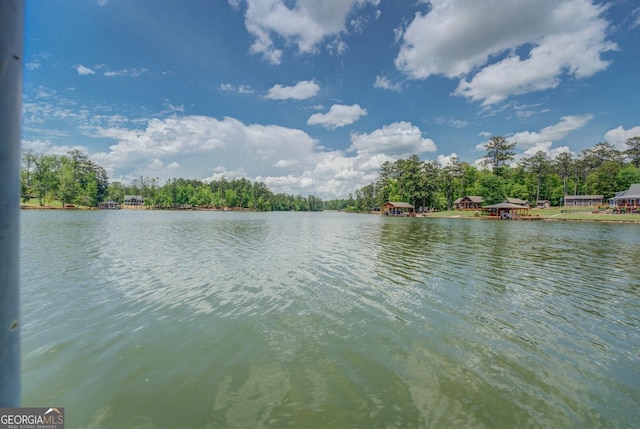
587 217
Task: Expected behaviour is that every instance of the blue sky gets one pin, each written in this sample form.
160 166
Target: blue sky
312 96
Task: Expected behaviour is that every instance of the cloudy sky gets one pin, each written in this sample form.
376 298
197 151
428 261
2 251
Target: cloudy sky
312 96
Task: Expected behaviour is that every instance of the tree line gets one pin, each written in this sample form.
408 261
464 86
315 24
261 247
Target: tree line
599 170
238 193
73 179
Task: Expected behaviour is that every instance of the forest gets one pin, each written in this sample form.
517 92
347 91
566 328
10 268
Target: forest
600 170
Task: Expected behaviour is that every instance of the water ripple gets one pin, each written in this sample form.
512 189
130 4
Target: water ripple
316 320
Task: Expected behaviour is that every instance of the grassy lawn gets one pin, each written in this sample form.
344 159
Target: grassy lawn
552 213
33 202
52 204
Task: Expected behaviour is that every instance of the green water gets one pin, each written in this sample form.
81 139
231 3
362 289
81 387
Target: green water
149 319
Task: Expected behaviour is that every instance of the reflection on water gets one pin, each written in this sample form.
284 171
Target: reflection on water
208 319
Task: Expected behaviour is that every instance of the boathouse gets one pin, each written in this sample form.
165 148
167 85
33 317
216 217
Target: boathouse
629 199
109 205
582 200
469 202
398 209
507 211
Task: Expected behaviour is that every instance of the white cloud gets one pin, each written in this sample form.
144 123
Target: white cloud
156 164
300 91
235 4
396 139
126 72
542 140
338 116
384 83
116 133
241 89
287 160
174 108
285 163
84 71
458 123
459 39
195 141
530 142
303 23
338 47
619 136
48 148
445 160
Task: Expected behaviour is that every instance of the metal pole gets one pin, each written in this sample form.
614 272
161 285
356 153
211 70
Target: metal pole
11 40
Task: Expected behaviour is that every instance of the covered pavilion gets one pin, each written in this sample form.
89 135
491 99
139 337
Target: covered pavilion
507 211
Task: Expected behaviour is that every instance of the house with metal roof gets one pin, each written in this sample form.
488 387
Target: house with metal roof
517 201
629 199
469 202
398 209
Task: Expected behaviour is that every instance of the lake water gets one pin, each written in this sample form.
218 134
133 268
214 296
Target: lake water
153 319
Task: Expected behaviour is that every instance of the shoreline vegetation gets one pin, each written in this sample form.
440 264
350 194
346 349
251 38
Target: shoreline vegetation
547 214
600 172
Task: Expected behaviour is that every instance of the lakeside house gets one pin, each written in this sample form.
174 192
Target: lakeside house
109 205
629 199
469 202
543 204
391 208
133 200
582 200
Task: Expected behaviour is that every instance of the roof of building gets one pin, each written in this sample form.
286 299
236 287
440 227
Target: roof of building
517 201
473 198
583 197
632 192
505 206
133 197
398 205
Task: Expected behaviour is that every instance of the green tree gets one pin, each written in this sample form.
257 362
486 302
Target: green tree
626 177
602 181
116 192
431 195
490 187
499 153
451 180
67 183
538 165
44 177
633 152
563 163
